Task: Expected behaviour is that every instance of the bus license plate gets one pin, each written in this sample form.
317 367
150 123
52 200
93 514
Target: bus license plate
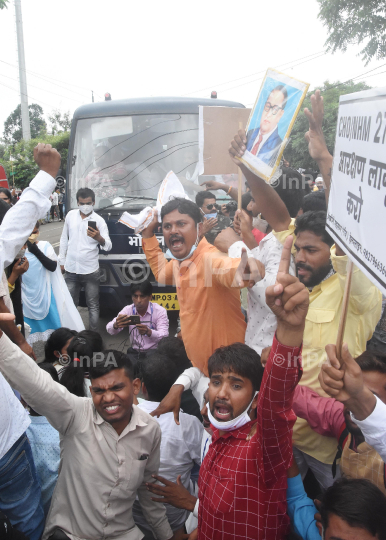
168 301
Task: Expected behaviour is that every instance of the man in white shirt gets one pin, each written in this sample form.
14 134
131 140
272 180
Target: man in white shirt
19 485
262 322
16 226
180 445
79 252
55 205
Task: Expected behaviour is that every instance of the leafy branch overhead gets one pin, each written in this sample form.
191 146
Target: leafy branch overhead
355 22
296 151
3 4
13 132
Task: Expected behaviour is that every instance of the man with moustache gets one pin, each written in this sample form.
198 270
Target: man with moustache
322 268
206 280
110 448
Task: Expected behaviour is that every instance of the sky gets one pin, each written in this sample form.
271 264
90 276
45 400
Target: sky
169 48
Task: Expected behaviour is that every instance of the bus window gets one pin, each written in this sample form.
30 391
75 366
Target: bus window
125 158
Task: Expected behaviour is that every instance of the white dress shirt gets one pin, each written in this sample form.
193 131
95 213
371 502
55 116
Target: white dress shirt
55 199
262 322
194 379
14 419
79 252
374 428
180 449
20 220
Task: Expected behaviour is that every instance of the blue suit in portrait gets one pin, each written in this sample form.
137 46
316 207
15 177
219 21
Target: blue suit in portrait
270 149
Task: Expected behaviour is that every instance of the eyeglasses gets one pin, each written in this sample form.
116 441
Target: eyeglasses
273 108
210 206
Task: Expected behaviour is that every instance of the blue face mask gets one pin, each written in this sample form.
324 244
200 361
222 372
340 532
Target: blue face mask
170 255
209 216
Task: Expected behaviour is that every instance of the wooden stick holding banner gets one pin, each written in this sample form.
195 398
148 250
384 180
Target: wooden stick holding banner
240 181
343 315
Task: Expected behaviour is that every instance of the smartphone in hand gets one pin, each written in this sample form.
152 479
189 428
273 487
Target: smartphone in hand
92 224
134 319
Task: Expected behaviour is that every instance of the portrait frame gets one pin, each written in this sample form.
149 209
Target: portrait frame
273 142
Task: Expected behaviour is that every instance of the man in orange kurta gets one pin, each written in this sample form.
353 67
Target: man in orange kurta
206 280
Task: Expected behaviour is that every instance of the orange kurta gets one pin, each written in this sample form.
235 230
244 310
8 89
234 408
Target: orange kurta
209 298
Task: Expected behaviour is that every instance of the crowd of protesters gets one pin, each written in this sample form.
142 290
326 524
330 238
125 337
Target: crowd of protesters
248 425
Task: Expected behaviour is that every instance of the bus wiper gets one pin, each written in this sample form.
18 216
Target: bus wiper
126 199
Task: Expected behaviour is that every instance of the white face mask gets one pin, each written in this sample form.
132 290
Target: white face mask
86 209
236 423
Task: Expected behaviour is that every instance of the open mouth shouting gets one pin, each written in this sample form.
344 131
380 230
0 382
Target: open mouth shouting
222 412
112 409
176 243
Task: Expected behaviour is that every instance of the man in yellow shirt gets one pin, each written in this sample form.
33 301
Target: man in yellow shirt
321 266
207 281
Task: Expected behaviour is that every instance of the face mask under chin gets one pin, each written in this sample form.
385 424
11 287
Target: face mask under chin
235 423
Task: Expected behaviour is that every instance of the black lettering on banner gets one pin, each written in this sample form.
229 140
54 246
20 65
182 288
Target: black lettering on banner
384 131
356 127
375 167
356 207
379 118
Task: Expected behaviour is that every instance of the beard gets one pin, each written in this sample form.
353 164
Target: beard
316 275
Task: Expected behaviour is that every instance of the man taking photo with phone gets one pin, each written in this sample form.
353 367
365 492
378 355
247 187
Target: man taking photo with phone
83 232
147 321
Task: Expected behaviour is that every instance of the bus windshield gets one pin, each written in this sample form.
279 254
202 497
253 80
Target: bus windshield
124 159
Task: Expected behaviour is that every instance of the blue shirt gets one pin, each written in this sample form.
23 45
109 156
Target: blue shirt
44 440
301 510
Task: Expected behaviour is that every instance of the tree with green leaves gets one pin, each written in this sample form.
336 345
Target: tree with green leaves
23 163
355 22
13 132
60 122
3 4
296 151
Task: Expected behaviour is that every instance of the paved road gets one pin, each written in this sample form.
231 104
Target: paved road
51 232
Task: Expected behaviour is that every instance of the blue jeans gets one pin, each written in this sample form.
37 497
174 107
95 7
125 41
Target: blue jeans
20 490
90 282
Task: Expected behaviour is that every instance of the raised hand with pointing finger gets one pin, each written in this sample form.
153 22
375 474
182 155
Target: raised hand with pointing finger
289 300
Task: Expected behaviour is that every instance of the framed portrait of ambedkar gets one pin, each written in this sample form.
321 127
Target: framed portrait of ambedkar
271 121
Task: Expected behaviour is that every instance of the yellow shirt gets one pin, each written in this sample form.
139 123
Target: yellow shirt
210 310
321 328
